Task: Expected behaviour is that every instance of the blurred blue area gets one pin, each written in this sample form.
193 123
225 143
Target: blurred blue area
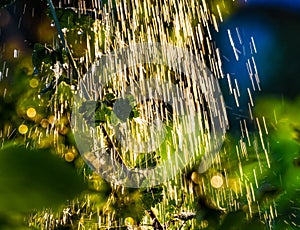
243 30
274 31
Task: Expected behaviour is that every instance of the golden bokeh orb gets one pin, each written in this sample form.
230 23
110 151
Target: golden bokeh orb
44 123
129 221
51 119
31 112
34 83
217 181
69 156
23 129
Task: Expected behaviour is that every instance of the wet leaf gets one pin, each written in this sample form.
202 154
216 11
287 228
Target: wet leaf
237 220
41 54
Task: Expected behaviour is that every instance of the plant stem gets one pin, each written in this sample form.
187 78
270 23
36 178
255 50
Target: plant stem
156 225
62 37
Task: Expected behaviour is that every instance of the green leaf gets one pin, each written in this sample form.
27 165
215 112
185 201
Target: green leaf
109 97
237 220
122 109
151 197
102 114
70 19
42 54
35 179
145 160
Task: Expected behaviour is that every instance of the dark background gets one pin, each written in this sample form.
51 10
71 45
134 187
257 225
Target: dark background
273 24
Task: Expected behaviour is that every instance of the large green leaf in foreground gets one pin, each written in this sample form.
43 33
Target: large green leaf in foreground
35 179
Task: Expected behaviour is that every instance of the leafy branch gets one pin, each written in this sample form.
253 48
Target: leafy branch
62 37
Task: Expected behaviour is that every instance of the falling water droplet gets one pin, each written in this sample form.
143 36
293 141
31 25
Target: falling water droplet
16 53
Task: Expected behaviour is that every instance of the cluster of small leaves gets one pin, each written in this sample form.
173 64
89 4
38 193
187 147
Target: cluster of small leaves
78 31
146 160
101 111
152 196
132 203
44 54
70 19
136 203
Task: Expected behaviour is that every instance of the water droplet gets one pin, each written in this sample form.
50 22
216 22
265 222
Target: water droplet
16 53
